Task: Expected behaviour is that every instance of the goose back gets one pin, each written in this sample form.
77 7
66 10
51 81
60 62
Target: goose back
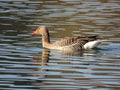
73 43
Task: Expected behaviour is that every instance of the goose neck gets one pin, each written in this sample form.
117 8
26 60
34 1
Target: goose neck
45 39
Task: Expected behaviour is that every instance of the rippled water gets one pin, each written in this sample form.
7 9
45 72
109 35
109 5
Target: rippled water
25 65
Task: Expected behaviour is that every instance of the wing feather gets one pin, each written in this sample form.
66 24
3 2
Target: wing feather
75 42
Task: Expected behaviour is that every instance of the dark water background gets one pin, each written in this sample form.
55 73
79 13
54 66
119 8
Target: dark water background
25 65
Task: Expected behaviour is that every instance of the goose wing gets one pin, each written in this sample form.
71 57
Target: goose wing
75 41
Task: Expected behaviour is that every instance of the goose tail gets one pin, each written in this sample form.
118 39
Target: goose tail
93 44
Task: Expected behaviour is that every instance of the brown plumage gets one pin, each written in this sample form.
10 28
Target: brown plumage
73 43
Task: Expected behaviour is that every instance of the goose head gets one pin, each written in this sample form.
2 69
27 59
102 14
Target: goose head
40 30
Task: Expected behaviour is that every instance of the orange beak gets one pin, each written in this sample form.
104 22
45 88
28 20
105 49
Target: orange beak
35 32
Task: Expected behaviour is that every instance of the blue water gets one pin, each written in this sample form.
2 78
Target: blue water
25 65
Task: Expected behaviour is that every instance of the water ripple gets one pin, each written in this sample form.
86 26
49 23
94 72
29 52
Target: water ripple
25 65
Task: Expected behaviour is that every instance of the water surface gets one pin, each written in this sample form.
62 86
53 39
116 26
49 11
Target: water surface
25 65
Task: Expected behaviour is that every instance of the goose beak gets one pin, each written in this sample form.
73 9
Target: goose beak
35 32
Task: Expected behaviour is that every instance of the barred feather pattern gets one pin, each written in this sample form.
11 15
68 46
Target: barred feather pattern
74 43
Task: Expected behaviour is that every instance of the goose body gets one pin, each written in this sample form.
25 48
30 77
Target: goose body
72 43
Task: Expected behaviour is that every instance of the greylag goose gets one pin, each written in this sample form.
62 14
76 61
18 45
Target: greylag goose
72 43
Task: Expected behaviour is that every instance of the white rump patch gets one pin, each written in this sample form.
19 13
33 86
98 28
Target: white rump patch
92 44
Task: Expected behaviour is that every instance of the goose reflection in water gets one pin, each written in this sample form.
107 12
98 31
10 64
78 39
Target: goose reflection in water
54 65
43 59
